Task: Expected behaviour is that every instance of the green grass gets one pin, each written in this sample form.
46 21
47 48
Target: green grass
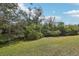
50 46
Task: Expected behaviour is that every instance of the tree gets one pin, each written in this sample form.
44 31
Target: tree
7 15
72 29
12 20
60 27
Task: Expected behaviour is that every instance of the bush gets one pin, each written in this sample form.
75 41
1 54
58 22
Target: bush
34 35
47 33
4 39
31 32
51 33
56 33
46 30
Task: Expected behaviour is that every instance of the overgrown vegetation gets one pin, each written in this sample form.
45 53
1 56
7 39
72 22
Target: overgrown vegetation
17 23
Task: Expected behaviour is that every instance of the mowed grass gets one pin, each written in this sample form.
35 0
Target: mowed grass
49 46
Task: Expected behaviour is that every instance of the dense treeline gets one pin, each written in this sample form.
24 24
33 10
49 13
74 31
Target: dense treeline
16 23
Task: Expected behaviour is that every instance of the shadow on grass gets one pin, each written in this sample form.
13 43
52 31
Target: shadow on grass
8 43
12 42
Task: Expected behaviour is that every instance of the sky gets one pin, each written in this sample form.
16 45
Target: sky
65 12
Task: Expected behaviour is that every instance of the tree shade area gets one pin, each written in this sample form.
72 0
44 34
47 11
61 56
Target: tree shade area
16 23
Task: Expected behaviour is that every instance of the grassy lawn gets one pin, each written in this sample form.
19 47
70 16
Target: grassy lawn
50 46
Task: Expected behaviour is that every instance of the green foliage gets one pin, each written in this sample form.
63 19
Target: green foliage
50 31
56 33
33 35
46 30
33 32
71 30
4 39
60 27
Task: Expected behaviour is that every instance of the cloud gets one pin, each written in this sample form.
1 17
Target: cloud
21 5
73 13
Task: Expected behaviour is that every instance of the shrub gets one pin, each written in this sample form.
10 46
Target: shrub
33 35
31 32
47 33
4 39
56 33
